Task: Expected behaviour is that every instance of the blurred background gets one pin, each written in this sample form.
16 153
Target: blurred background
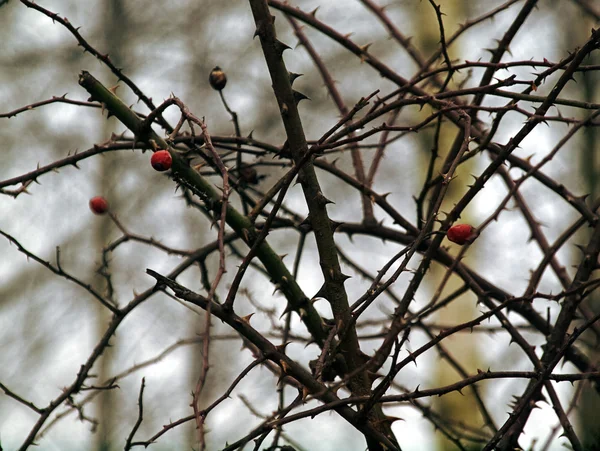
49 326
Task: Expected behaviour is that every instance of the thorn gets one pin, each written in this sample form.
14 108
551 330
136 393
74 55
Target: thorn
282 346
321 293
412 357
298 96
334 225
284 366
364 52
322 200
280 47
246 319
365 48
277 288
388 420
246 235
293 76
288 309
305 393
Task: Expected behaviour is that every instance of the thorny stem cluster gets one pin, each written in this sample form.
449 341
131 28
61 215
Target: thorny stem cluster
340 362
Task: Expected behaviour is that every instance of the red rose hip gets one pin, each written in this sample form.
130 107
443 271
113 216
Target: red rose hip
161 160
98 205
461 234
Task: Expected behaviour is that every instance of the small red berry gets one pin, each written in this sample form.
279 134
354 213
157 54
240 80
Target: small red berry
161 160
99 205
461 234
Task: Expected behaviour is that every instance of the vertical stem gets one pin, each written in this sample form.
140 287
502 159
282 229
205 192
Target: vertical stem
336 294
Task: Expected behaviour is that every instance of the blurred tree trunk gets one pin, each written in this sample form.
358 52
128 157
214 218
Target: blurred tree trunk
589 405
461 408
114 28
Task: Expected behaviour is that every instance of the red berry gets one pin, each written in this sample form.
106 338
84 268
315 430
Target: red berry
99 205
461 234
161 160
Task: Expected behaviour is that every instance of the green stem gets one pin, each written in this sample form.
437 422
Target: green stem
182 172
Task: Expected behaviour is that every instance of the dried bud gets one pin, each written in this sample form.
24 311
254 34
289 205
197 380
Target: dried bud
249 175
217 78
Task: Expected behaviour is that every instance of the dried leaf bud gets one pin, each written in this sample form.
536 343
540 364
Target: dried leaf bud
249 175
217 78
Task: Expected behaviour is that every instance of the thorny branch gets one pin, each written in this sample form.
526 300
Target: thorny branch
366 338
